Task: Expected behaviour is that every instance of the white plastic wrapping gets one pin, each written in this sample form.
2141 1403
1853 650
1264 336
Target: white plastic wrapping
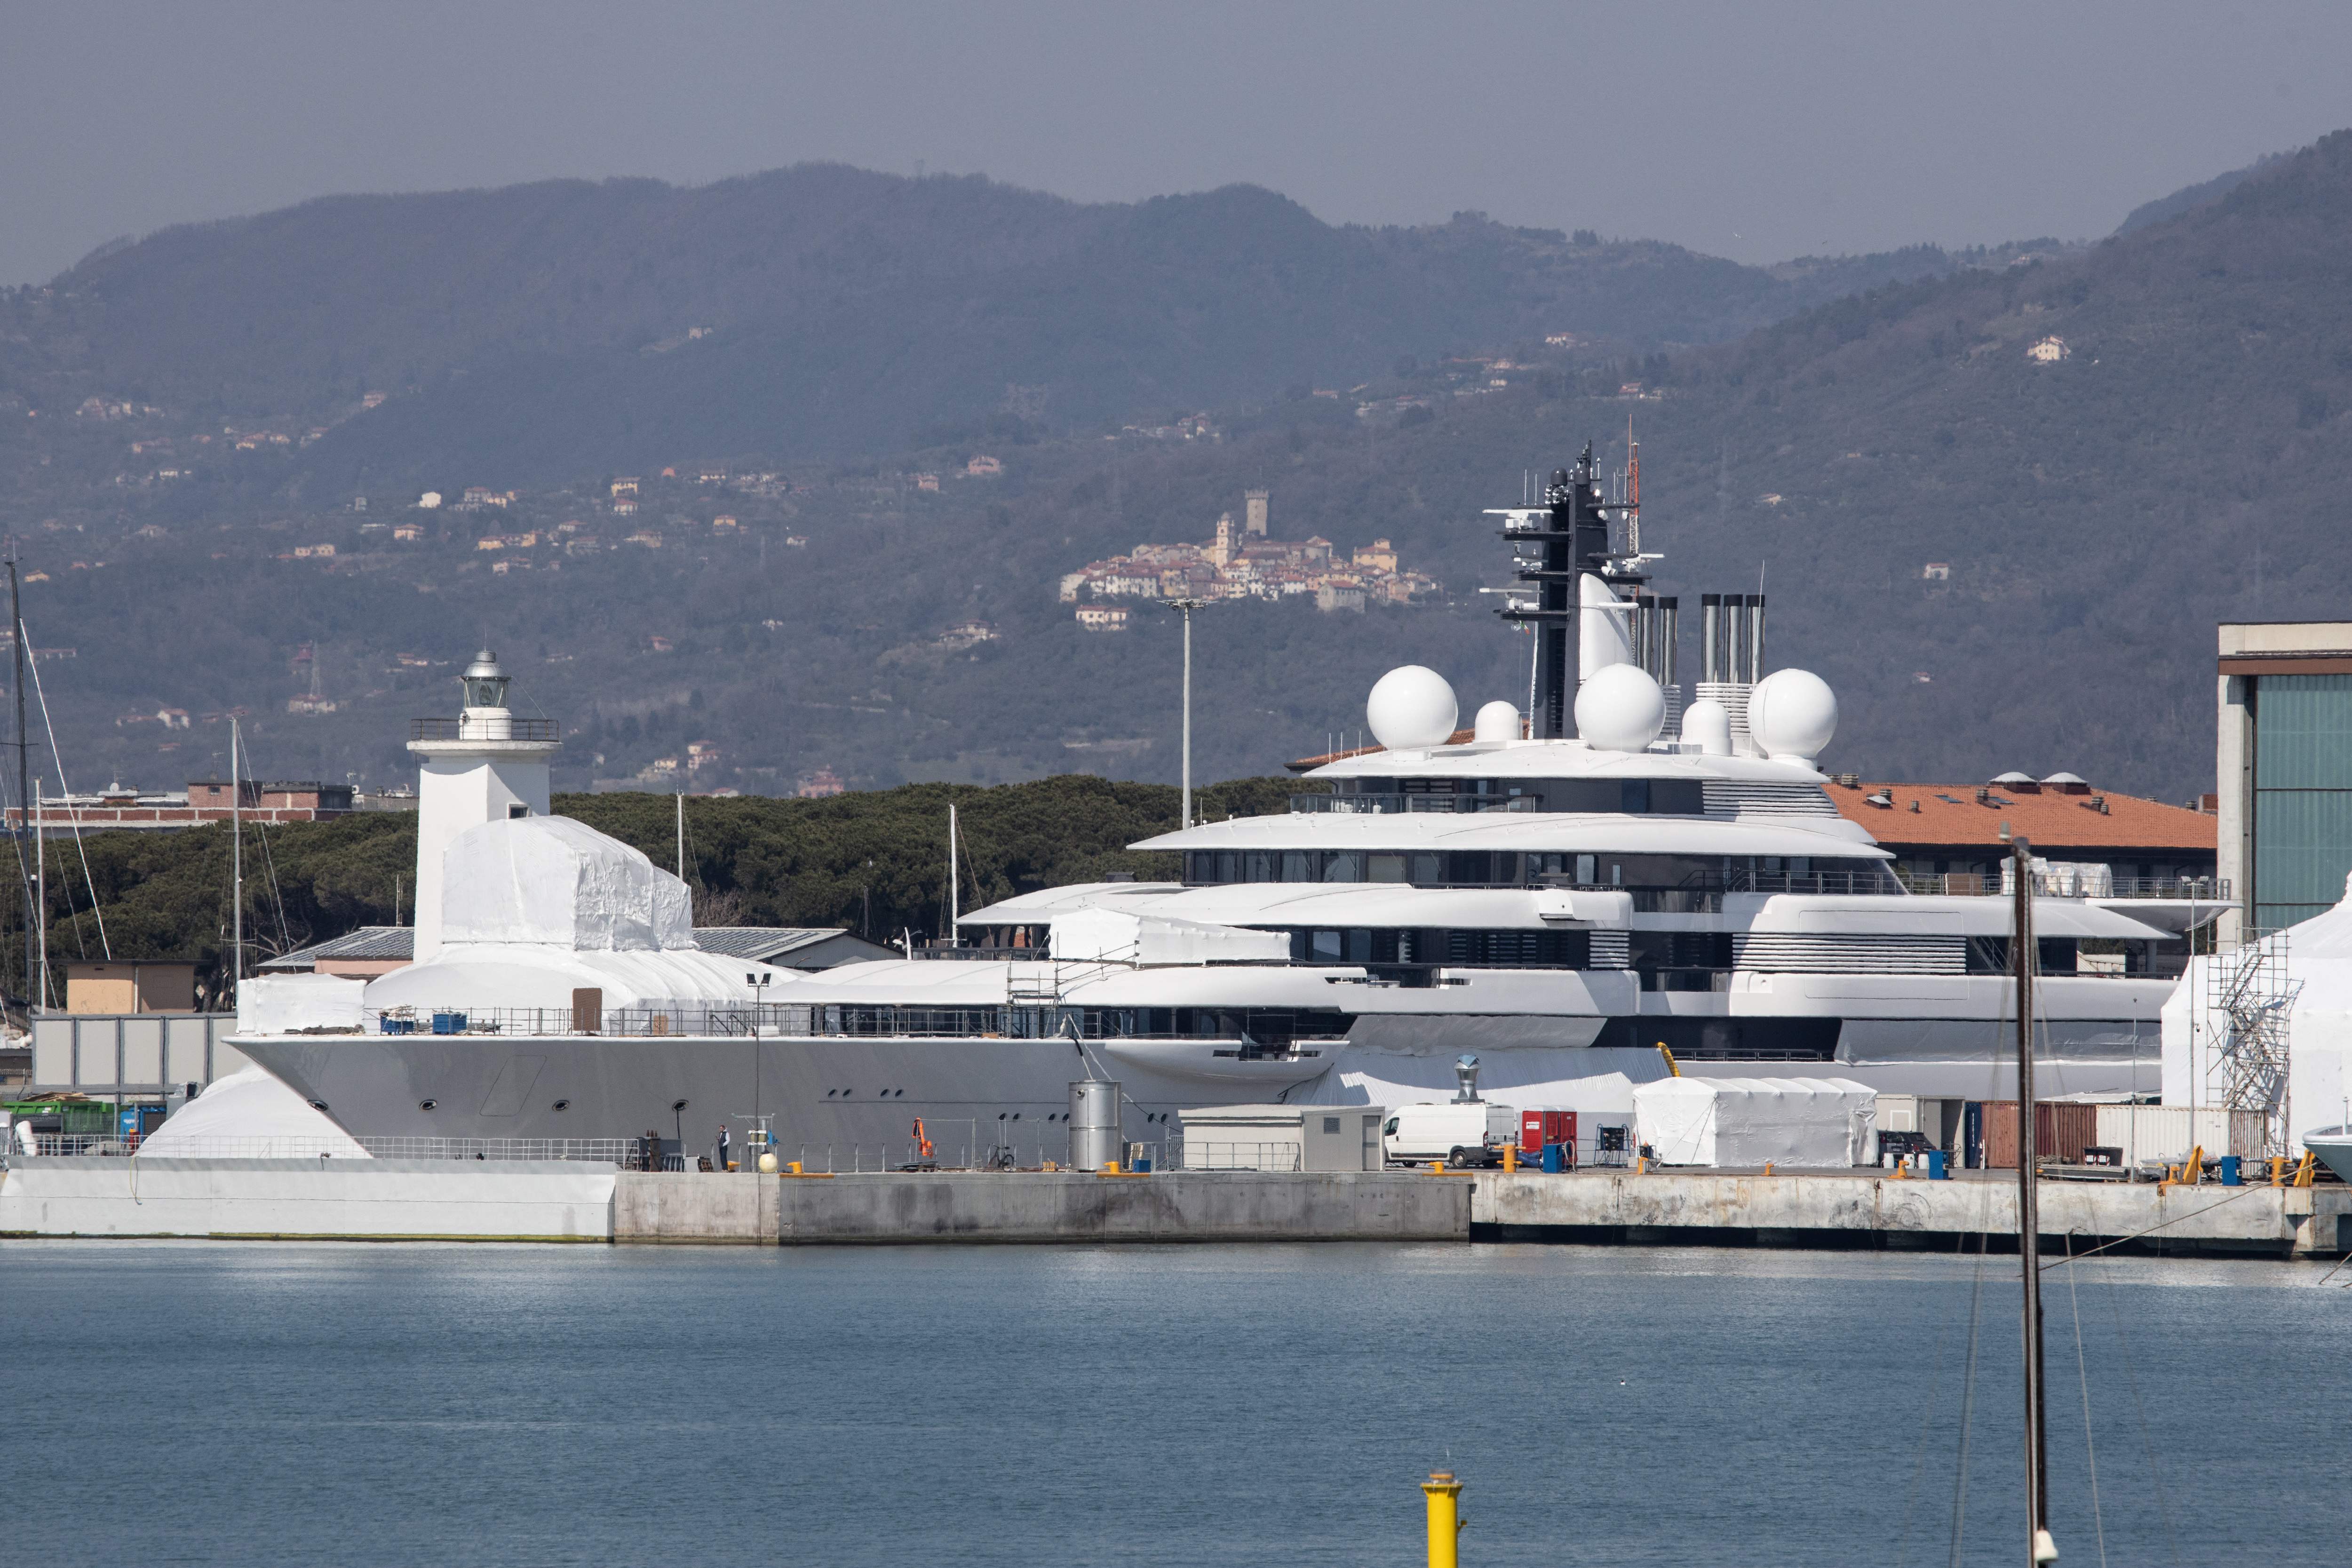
284 1004
553 880
2317 971
1794 1123
250 1115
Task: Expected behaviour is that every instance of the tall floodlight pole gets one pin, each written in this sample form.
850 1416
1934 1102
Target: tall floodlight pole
1185 607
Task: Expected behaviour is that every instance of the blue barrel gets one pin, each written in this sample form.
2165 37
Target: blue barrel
1935 1171
1554 1163
2230 1178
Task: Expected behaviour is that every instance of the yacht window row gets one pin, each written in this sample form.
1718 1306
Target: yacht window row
1688 874
1673 798
1276 1025
1455 948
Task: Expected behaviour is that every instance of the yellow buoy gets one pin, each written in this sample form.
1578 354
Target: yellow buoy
1444 1495
768 1163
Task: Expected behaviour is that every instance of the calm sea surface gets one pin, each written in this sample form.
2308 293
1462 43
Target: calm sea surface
296 1403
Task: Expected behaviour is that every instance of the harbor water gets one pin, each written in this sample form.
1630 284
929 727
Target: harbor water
282 1404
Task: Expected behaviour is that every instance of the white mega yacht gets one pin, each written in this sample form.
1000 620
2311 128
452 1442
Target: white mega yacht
1583 896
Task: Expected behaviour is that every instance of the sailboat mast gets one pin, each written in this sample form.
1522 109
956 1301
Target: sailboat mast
16 641
41 900
955 886
681 834
2039 1548
236 866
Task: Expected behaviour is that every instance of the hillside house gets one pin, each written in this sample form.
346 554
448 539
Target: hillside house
1102 618
983 467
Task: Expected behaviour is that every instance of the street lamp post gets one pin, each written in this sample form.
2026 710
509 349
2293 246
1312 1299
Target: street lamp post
1185 607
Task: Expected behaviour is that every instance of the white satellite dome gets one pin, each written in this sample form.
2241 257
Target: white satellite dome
2010 777
1619 708
1496 721
1792 713
1412 709
1707 724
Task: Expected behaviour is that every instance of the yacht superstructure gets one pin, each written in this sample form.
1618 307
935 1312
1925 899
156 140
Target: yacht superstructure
1668 880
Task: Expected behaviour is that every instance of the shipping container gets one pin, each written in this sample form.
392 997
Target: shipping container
2063 1129
2163 1134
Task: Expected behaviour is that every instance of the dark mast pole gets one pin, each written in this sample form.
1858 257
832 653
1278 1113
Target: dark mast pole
1574 540
25 822
2038 1546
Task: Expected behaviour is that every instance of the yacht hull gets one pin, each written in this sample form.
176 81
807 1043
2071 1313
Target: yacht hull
854 1100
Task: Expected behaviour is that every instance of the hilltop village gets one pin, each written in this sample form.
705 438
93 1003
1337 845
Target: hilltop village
1242 564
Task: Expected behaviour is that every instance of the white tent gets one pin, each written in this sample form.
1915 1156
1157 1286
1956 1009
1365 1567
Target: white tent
2317 971
250 1115
1796 1123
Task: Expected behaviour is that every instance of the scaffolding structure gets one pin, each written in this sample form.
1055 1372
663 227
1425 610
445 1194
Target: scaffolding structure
2249 1001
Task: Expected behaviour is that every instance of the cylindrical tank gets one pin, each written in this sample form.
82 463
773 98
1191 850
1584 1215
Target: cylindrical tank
1095 1139
1669 633
1755 638
1710 637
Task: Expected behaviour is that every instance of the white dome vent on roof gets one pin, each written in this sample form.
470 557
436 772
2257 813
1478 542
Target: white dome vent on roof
2011 778
1412 707
1497 722
2066 779
1792 714
1619 708
1707 724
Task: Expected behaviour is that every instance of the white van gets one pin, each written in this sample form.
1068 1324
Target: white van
1461 1133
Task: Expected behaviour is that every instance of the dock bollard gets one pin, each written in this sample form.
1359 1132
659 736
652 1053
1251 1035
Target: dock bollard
1444 1519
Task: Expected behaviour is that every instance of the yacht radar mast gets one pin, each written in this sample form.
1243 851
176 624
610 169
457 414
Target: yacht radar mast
1555 546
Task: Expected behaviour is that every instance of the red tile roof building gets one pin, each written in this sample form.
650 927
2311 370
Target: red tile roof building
1967 828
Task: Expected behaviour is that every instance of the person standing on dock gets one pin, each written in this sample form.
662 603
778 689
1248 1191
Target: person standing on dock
722 1148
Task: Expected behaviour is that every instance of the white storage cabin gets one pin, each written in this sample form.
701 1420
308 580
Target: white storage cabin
1282 1138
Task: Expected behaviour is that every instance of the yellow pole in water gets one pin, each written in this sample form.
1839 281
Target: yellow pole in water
1444 1520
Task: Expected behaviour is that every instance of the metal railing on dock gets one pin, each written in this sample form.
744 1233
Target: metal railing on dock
1210 1154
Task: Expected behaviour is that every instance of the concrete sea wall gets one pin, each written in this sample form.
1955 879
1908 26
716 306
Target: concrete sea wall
1177 1205
376 1200
1871 1210
393 1200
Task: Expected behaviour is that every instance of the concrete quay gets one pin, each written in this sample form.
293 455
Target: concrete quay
307 1200
1080 1207
405 1200
1685 1208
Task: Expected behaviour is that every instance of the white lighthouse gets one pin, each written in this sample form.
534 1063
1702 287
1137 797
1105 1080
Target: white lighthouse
485 765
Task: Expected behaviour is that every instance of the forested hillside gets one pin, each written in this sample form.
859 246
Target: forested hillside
2175 456
539 333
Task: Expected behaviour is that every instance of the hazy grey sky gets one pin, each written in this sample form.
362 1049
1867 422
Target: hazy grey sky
1756 131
